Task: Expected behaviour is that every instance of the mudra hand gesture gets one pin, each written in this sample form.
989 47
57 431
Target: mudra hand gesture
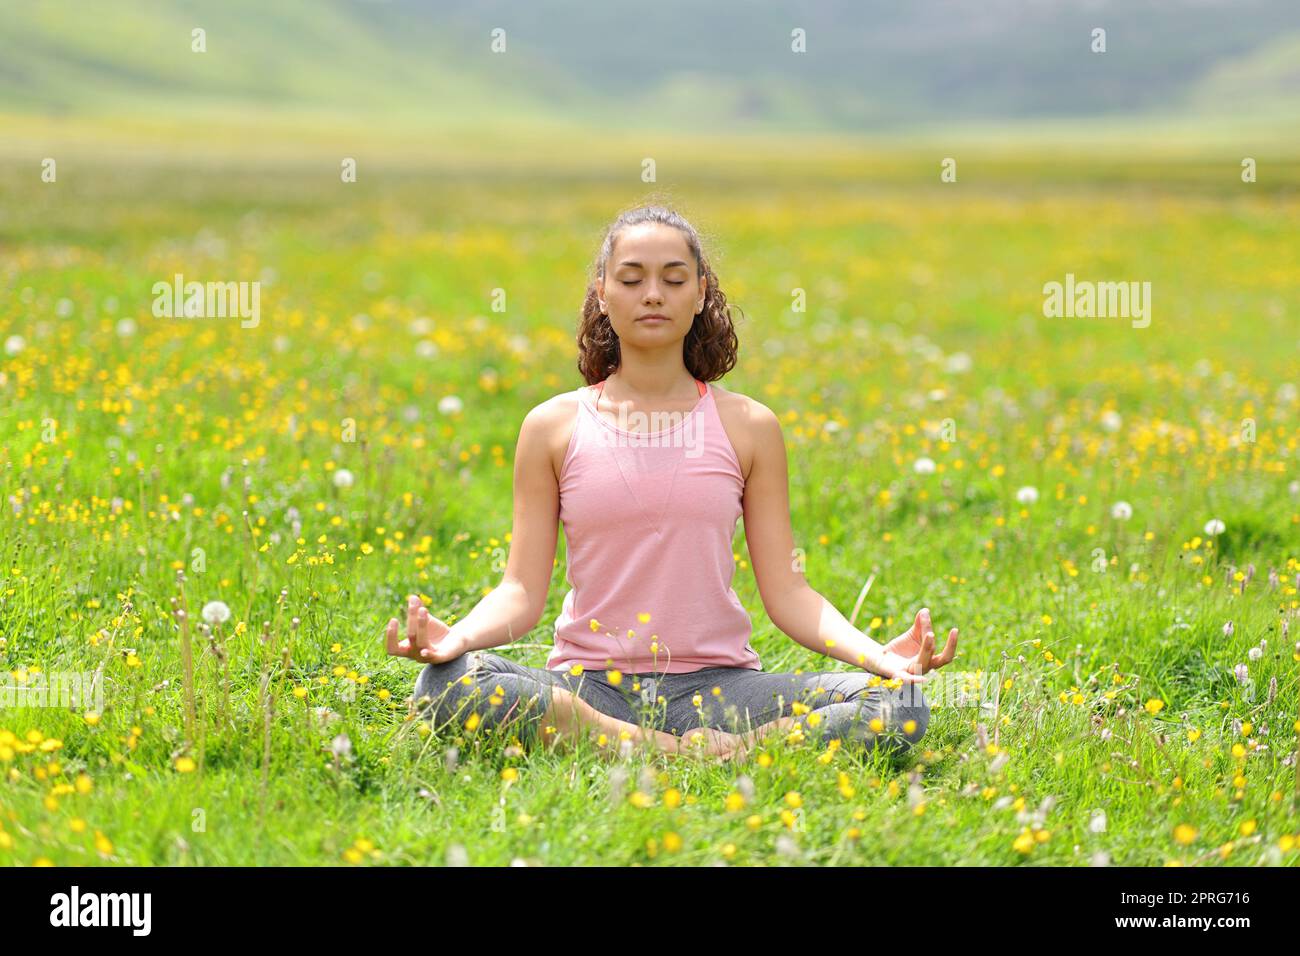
910 656
428 640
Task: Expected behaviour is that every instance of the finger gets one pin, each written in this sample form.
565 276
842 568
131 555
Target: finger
944 656
927 650
397 646
949 650
423 642
412 604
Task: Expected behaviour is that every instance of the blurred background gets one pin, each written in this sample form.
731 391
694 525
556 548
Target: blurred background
424 72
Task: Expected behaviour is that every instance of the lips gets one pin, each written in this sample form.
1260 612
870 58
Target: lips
654 317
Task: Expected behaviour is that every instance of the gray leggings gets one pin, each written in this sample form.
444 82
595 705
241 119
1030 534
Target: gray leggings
506 694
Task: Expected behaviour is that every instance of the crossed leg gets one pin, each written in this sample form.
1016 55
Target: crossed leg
480 689
836 705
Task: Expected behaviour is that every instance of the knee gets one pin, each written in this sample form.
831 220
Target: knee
475 690
444 684
891 720
909 715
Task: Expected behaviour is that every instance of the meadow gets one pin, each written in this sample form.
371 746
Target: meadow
1110 514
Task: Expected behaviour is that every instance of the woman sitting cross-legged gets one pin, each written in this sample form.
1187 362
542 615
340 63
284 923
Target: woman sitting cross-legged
648 468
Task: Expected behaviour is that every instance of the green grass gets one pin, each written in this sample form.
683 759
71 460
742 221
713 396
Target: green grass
107 430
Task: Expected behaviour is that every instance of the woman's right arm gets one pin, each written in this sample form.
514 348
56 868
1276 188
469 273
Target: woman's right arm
514 607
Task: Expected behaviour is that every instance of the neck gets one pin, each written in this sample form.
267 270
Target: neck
651 382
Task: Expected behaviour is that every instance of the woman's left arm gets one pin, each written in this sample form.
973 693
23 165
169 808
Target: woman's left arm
792 604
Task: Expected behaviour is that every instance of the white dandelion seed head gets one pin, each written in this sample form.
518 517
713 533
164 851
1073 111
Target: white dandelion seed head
426 349
617 784
15 344
924 466
1111 420
456 855
745 786
450 405
787 847
1027 495
126 327
1121 511
343 478
958 362
1255 653
421 325
1214 526
215 612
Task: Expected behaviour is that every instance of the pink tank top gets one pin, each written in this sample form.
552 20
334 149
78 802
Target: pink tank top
649 516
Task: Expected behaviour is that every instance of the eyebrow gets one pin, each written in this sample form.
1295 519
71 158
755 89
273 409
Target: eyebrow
638 265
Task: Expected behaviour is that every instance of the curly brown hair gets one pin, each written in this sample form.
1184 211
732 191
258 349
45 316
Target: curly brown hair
709 350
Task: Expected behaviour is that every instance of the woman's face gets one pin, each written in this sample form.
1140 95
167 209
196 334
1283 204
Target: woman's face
651 272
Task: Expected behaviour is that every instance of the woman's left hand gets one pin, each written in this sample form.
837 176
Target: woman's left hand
910 656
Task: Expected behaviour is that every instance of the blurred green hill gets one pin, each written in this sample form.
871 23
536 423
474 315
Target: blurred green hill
418 78
678 64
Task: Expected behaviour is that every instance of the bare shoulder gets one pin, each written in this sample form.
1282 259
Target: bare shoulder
749 424
550 425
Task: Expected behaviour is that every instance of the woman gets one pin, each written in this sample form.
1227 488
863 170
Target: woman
652 643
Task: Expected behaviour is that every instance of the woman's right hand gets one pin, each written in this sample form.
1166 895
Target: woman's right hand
428 640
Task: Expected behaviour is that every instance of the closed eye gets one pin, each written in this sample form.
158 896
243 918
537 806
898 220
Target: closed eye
669 281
